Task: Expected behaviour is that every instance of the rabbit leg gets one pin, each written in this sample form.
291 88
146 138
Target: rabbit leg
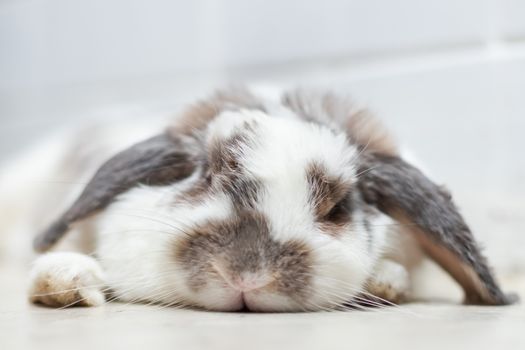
63 279
390 281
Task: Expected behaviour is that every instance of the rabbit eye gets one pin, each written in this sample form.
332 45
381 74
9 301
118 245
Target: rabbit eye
340 212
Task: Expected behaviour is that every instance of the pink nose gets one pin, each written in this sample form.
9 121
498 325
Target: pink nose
250 281
246 281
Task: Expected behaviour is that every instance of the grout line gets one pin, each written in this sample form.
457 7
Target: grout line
371 65
370 68
319 71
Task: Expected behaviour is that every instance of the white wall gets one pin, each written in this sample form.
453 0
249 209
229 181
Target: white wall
62 59
447 76
59 42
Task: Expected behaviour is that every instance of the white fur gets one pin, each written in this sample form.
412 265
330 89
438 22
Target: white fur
136 235
136 232
67 278
389 281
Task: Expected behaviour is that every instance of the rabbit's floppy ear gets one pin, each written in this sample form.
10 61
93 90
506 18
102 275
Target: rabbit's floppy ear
157 161
428 213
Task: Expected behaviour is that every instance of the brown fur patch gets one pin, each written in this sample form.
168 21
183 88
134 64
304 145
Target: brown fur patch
330 199
244 244
198 116
363 129
196 194
48 291
223 171
227 172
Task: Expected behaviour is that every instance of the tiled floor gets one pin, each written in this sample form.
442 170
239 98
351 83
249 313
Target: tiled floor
415 326
462 113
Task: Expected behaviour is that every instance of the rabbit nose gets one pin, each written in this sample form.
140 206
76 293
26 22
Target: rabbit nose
251 281
245 281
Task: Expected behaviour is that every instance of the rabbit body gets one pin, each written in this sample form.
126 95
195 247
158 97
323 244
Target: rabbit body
245 202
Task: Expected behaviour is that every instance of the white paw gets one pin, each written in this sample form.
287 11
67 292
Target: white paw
65 279
390 281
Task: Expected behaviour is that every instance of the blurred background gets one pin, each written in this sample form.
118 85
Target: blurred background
448 77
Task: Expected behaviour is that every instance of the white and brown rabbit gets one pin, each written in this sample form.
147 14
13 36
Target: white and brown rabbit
243 202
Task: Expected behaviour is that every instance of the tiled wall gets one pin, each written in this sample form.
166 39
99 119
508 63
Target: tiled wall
45 42
63 58
447 76
512 19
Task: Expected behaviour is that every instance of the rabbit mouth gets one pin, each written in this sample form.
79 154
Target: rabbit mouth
245 302
249 303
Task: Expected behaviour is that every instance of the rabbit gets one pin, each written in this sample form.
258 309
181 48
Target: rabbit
249 202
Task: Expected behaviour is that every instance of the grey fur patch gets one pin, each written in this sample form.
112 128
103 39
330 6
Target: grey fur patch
341 113
197 116
227 172
199 191
244 244
403 192
157 161
330 198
